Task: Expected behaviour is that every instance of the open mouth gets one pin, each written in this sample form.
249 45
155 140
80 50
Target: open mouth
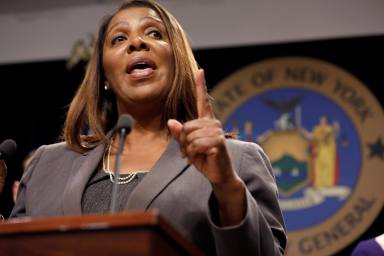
139 65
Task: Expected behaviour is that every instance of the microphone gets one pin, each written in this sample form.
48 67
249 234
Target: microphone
7 148
123 127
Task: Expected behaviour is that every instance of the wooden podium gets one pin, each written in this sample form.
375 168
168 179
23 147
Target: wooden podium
132 233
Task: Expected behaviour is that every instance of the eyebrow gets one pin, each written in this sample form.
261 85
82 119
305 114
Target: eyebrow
143 18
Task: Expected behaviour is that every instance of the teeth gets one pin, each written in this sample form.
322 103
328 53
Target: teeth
141 66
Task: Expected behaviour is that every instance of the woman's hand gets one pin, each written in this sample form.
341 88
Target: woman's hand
202 142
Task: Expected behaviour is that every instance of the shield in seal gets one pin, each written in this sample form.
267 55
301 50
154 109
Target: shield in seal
288 153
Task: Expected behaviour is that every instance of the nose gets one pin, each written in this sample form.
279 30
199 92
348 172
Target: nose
137 44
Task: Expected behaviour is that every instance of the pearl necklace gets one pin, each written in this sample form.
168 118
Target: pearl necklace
121 180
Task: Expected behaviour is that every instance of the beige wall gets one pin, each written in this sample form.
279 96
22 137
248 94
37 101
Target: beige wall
49 33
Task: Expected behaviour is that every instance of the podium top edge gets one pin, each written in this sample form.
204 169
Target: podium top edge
81 222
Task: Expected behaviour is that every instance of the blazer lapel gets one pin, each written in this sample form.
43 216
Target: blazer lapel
82 169
167 168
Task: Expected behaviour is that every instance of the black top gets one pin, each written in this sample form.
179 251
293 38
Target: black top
98 192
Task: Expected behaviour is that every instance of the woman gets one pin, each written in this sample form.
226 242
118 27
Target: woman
220 194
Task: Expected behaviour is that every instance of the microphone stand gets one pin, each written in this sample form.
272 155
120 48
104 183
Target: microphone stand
123 133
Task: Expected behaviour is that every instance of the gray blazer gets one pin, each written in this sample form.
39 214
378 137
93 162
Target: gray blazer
55 180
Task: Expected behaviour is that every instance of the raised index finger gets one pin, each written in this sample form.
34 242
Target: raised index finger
204 108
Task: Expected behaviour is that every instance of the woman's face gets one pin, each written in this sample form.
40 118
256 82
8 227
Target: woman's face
137 58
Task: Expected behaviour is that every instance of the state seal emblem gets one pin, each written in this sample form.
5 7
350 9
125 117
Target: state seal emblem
323 132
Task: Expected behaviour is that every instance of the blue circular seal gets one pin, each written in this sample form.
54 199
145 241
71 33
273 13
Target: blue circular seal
322 131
